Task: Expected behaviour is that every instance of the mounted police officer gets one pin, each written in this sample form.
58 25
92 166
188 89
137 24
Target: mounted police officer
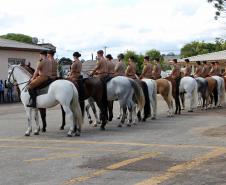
131 68
147 69
45 71
205 70
120 66
198 70
157 70
188 68
111 65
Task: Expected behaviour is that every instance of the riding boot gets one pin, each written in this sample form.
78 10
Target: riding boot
32 102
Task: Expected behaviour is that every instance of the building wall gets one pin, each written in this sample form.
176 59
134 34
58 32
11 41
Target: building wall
29 56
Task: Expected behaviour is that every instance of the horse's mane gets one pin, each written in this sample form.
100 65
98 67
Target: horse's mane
26 70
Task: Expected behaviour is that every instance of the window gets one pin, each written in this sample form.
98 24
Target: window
16 61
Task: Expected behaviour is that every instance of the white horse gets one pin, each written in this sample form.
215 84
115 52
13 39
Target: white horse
220 90
60 92
189 86
152 90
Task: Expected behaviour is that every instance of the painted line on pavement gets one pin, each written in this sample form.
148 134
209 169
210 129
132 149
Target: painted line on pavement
61 156
182 168
109 168
112 143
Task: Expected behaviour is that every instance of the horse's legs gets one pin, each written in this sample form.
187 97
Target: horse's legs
130 120
70 117
88 114
169 106
29 121
154 107
37 130
43 117
103 114
110 109
182 100
63 118
124 109
189 95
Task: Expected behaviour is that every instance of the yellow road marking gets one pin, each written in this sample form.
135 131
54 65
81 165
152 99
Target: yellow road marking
181 168
37 147
111 143
109 168
51 158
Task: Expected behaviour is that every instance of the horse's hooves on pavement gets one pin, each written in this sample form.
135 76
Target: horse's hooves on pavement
26 134
128 125
153 118
102 128
120 125
43 130
190 111
36 133
61 128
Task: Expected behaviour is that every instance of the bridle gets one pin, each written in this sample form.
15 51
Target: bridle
12 75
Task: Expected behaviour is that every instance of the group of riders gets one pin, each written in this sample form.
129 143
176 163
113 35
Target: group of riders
105 68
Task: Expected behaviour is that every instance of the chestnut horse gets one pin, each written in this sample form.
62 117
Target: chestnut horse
164 87
212 85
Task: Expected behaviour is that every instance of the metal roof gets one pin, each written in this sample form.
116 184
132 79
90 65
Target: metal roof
215 56
15 45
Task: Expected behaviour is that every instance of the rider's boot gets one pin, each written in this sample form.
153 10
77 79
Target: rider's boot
32 101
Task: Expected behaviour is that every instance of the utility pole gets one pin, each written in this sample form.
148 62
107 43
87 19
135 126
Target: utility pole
105 50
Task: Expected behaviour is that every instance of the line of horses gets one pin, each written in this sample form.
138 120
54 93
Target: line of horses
134 97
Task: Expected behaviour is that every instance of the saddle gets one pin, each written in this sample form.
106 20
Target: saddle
43 89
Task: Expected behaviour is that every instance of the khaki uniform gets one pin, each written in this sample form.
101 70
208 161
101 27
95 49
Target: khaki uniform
45 70
101 69
217 71
76 69
187 70
157 71
111 68
212 71
198 71
147 71
205 71
131 71
120 68
176 71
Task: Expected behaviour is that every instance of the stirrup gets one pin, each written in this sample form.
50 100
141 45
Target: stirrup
31 104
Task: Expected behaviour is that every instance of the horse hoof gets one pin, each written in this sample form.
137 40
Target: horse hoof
120 125
144 119
69 135
128 125
102 128
153 118
61 128
36 133
43 130
77 134
94 125
27 134
90 122
190 111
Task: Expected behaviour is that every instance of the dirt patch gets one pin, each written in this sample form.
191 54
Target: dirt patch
216 132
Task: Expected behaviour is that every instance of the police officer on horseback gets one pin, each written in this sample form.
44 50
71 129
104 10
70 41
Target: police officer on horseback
147 69
46 70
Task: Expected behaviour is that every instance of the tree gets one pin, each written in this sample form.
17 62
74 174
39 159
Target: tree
138 59
219 5
198 48
18 37
153 54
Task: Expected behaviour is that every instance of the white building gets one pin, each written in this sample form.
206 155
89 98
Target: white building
13 52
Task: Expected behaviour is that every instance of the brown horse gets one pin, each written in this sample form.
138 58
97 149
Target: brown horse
175 93
164 87
212 85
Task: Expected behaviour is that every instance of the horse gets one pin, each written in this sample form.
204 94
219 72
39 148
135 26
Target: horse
175 93
60 91
220 90
164 88
203 91
189 86
213 93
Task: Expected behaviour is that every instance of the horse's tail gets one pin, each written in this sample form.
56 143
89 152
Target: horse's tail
195 95
138 94
147 107
170 97
222 92
215 93
75 106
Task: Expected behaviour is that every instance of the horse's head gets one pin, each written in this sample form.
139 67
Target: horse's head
11 79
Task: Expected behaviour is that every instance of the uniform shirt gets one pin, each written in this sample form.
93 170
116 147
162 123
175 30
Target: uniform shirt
120 68
205 71
212 71
76 69
44 68
53 68
147 71
157 71
131 70
101 68
187 70
217 71
198 71
176 71
111 67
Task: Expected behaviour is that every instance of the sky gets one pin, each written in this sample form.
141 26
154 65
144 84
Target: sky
120 25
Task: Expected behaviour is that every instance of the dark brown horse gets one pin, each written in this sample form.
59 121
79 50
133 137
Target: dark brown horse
175 93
